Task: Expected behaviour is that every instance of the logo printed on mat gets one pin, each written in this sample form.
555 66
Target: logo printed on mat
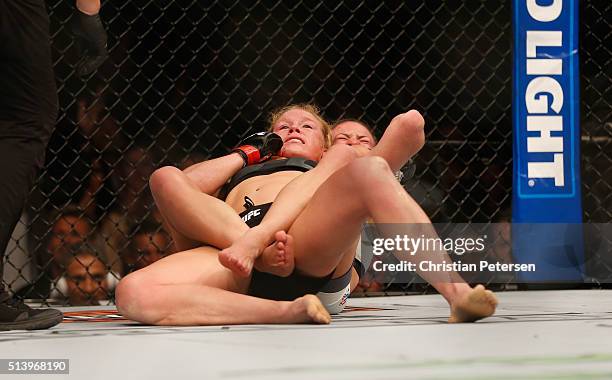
93 316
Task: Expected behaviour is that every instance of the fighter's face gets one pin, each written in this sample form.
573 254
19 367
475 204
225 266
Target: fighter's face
352 133
302 134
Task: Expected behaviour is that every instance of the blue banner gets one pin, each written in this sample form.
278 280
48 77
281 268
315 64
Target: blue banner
546 145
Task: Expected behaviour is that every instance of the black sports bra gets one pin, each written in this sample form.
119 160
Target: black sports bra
268 167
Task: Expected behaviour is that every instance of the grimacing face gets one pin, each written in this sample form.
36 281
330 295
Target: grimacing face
302 135
352 133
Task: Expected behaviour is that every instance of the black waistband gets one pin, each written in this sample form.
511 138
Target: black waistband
269 286
337 284
268 167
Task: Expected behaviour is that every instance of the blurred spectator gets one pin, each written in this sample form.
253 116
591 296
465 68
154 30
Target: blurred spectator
105 144
86 280
133 203
68 228
131 179
82 151
190 160
149 243
88 201
95 123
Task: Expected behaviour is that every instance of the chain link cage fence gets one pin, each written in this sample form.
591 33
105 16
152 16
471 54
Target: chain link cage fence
186 80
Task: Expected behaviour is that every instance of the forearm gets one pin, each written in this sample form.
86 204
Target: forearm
211 175
89 7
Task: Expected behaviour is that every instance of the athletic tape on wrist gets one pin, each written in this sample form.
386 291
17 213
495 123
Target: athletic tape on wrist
250 152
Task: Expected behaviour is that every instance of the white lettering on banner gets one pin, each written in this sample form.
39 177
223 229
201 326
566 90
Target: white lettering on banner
544 13
544 95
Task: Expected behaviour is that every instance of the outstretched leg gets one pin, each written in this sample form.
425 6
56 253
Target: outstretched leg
333 218
192 288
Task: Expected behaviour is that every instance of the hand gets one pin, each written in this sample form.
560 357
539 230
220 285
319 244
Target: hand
361 150
259 147
91 41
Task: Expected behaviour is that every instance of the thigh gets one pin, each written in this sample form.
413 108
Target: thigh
195 266
194 218
326 230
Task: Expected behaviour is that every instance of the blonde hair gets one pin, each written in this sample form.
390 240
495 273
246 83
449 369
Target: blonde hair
311 109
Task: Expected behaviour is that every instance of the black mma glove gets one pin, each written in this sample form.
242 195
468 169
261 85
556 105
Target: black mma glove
91 41
259 147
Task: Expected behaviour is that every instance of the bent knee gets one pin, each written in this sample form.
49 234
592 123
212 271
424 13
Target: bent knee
370 165
163 176
368 170
166 178
130 296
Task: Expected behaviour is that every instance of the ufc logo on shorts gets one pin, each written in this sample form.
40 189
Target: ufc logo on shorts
251 214
345 296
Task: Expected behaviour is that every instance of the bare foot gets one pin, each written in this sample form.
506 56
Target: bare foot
309 309
240 256
476 304
277 259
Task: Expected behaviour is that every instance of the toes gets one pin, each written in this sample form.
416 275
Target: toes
280 236
491 298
